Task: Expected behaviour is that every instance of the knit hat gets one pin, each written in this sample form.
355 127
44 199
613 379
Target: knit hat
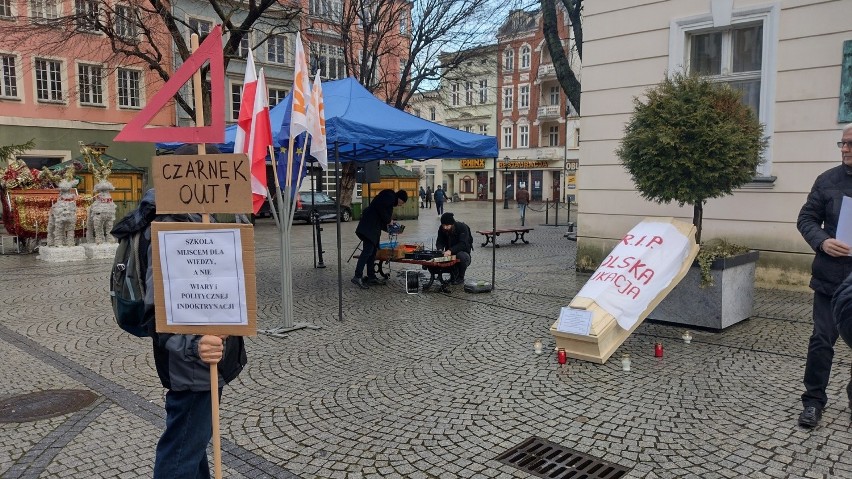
402 195
447 219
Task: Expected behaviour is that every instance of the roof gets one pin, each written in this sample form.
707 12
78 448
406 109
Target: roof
390 170
118 165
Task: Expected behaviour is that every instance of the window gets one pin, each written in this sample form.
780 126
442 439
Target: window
129 91
523 136
201 27
507 137
455 94
483 91
86 15
326 8
125 22
403 22
466 185
524 96
432 114
738 50
732 56
9 87
236 99
468 128
483 128
90 83
508 60
554 95
417 112
402 64
6 8
525 57
331 62
275 96
468 93
508 100
553 136
245 47
276 49
48 75
44 9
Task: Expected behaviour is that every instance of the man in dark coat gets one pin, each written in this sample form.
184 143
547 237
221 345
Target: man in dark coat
440 198
454 238
428 197
374 219
832 264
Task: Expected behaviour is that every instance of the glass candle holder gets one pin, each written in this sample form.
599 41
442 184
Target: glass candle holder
538 346
625 362
687 337
658 350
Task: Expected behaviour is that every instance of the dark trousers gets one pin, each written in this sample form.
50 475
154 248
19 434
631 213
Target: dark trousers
820 353
844 327
367 259
182 449
461 266
439 205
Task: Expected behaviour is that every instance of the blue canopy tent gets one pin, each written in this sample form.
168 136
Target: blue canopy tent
362 128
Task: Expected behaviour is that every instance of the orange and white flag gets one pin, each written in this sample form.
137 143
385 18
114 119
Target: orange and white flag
301 91
316 124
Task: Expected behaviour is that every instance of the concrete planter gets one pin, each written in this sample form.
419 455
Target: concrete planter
729 301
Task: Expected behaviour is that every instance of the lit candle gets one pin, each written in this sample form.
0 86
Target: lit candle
538 346
687 337
561 356
658 350
625 362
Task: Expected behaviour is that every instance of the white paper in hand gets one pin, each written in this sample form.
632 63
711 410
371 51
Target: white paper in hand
844 223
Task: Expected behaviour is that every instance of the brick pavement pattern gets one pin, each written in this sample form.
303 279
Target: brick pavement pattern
431 385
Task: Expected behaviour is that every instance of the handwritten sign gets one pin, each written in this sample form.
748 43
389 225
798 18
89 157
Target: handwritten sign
202 183
640 267
204 278
574 321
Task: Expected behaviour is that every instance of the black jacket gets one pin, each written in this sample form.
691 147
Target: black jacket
818 221
376 217
458 239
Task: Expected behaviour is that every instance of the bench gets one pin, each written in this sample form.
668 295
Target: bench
490 235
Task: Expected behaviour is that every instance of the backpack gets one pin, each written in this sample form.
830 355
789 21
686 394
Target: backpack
127 283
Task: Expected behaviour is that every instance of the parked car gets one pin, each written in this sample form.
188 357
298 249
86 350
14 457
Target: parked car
324 205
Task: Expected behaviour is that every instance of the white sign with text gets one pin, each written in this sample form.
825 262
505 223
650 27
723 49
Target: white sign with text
642 265
574 321
203 277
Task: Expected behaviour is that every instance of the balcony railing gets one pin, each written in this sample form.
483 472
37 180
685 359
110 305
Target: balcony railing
546 70
548 112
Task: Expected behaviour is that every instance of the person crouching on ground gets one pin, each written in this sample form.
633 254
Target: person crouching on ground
374 219
454 238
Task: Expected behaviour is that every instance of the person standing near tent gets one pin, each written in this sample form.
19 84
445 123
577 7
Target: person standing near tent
422 197
428 197
440 198
374 219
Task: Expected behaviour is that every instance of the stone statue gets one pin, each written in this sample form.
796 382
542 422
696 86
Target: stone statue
101 213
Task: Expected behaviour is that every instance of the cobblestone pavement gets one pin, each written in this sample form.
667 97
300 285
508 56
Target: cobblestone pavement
431 385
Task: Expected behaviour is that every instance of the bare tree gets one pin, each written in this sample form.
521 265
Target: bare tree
135 31
561 60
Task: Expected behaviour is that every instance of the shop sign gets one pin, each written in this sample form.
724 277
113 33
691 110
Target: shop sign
523 164
572 165
475 163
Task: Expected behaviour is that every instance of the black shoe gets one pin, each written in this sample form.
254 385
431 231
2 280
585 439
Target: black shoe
360 283
375 280
457 281
810 417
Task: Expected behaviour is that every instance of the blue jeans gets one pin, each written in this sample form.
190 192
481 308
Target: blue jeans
182 449
523 208
367 259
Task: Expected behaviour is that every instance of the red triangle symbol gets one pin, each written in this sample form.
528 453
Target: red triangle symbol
210 49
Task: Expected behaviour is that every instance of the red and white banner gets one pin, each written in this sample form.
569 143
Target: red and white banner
260 140
246 107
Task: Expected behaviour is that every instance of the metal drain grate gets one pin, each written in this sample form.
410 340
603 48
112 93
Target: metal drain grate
543 458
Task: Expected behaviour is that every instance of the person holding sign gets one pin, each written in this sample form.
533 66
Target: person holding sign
374 220
454 238
818 223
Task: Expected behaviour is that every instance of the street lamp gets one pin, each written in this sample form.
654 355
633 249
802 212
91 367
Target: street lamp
506 177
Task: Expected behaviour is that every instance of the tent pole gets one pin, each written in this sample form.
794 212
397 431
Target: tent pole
494 225
339 254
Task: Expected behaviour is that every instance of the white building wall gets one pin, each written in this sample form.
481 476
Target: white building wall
627 50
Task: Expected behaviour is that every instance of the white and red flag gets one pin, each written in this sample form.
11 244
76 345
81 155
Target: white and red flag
246 107
316 124
260 140
301 91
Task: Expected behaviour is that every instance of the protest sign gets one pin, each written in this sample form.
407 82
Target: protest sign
202 183
204 275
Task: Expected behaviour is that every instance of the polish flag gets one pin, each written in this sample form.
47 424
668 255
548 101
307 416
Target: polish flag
246 107
316 124
301 91
260 139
